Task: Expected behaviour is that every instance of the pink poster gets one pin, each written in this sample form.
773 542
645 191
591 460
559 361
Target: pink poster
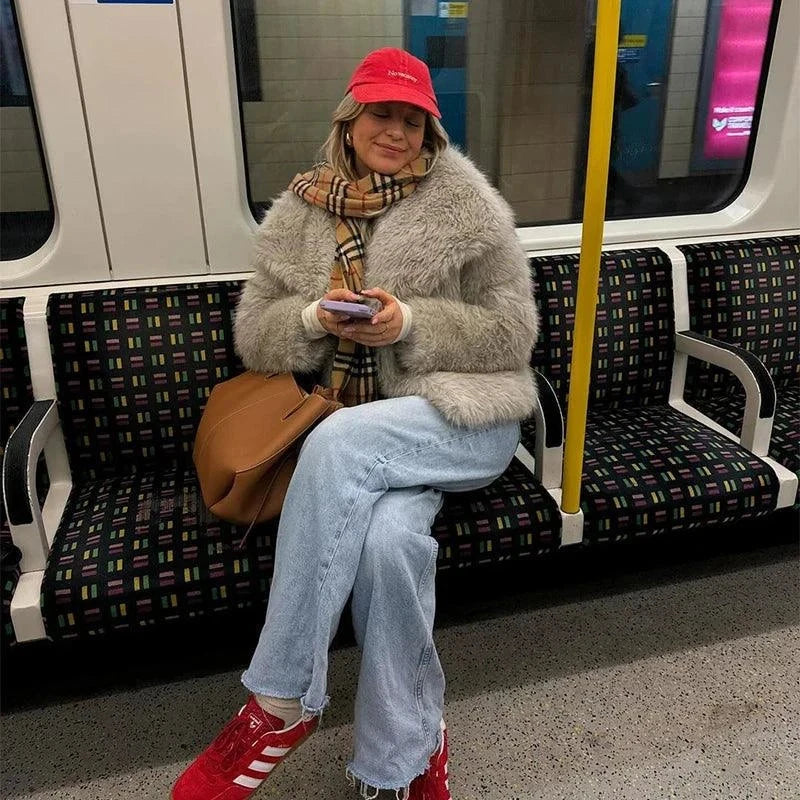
743 27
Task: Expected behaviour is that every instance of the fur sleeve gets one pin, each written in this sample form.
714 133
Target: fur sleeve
269 335
492 328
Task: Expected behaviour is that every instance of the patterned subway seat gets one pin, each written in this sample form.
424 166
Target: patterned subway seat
746 293
134 368
140 549
647 468
136 547
513 518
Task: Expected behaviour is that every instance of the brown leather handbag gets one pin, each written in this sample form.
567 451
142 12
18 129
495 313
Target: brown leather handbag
247 442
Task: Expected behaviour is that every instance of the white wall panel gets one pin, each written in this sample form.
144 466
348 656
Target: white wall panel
131 68
211 80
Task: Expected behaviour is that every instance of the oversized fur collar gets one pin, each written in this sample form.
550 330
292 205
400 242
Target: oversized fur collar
455 215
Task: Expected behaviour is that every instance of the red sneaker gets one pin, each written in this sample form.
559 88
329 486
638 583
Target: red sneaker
240 759
433 784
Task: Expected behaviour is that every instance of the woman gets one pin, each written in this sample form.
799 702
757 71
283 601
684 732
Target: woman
434 385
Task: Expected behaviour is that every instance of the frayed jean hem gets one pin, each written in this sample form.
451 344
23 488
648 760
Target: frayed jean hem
309 712
369 790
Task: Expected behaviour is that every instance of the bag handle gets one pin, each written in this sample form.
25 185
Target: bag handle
277 472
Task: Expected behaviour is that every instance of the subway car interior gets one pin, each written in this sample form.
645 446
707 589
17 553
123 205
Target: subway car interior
618 613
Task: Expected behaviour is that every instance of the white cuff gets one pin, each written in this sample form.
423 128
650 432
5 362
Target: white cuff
311 323
408 318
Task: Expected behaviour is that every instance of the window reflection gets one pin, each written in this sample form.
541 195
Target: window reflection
513 78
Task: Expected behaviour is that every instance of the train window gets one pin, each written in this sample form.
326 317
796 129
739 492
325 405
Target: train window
26 206
513 78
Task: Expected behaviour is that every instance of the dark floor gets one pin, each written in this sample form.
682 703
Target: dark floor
654 670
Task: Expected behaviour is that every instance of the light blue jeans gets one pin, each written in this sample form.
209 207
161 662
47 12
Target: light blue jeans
357 518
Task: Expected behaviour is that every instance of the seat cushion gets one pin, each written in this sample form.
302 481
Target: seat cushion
653 470
745 292
727 409
785 443
9 577
514 517
16 393
142 549
16 396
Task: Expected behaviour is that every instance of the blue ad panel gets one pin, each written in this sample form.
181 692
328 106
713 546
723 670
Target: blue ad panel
441 42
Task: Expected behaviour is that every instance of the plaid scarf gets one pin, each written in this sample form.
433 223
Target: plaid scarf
355 366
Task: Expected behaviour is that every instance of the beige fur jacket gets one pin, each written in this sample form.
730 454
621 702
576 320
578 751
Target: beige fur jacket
449 251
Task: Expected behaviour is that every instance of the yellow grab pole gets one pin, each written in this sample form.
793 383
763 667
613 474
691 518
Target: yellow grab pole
594 209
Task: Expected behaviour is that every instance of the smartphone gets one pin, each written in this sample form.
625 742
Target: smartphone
358 310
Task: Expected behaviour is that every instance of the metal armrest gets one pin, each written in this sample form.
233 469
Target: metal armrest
760 400
549 445
19 482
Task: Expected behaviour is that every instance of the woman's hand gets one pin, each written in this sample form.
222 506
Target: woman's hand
332 321
382 329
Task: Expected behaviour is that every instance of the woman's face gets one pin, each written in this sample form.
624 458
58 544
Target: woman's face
386 137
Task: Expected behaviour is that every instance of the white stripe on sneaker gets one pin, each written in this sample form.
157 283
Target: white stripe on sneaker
263 766
250 783
275 751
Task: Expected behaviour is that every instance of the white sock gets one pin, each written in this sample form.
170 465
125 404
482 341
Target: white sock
289 710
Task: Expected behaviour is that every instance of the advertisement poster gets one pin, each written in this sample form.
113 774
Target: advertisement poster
736 37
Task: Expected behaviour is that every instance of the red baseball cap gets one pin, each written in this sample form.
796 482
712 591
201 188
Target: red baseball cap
390 74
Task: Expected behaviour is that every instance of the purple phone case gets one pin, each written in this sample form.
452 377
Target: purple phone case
353 309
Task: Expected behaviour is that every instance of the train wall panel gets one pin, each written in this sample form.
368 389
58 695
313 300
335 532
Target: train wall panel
142 147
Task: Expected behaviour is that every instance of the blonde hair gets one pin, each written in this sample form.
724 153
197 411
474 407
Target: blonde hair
341 157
